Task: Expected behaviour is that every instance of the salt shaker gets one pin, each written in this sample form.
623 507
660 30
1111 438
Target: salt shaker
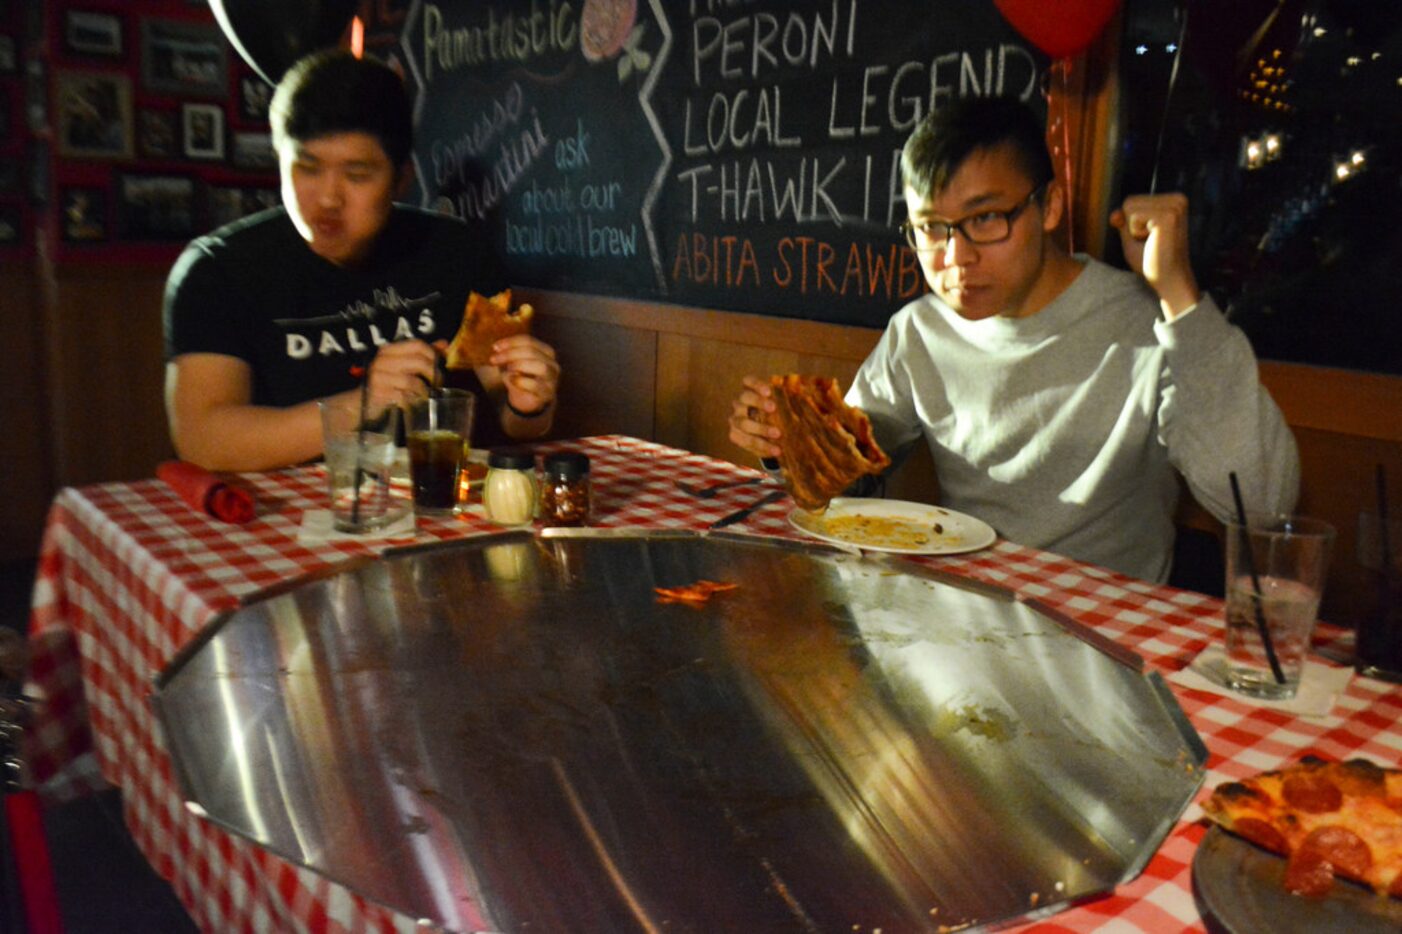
564 496
509 492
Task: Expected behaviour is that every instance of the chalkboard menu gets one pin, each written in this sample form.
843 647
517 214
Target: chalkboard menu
725 154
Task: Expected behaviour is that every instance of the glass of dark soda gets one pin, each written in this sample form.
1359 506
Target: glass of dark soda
438 433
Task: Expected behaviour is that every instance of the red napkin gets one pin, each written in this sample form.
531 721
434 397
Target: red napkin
207 493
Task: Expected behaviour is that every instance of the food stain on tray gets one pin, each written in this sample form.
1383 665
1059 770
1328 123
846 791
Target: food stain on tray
980 721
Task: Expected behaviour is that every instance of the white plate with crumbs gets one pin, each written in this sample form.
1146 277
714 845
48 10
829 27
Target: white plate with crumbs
895 525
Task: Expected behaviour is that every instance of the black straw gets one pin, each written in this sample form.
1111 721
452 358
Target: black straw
1255 583
360 443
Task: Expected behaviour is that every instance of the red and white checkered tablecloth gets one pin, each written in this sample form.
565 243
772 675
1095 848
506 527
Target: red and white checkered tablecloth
128 575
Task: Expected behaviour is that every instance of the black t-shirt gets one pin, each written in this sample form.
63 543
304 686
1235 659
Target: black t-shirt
255 290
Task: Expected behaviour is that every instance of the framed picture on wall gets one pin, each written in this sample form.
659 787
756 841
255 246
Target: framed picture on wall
254 151
36 95
156 207
9 56
255 95
184 59
84 214
157 134
89 33
38 178
202 131
227 203
11 223
94 115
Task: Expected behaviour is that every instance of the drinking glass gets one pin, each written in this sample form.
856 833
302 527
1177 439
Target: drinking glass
438 433
1276 567
1378 649
359 456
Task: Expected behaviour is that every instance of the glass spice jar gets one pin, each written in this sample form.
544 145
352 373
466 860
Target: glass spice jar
509 492
564 495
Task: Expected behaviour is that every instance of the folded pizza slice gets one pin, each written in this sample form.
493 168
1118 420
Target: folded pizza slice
1326 818
826 444
484 322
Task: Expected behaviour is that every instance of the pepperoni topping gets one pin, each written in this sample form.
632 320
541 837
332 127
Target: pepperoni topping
1312 793
1309 873
1343 848
1395 890
1260 833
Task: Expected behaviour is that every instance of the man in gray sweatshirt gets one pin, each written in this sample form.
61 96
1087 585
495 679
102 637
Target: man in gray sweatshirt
1060 397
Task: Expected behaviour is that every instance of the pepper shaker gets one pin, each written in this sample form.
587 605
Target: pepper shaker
564 496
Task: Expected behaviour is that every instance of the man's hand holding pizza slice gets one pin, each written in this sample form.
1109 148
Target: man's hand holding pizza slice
822 444
750 419
494 340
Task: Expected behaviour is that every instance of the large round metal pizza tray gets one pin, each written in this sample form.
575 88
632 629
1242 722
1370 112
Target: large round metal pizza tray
512 734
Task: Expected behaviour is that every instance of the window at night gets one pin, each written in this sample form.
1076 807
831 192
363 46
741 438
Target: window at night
1280 120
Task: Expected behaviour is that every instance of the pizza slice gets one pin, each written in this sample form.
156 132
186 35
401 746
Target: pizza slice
1327 818
826 443
484 322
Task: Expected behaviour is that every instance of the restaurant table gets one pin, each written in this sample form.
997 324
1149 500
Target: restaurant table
129 574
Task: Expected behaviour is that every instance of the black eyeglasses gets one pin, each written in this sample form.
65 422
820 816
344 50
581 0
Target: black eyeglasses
983 228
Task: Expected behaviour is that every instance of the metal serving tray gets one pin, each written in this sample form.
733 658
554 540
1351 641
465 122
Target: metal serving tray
513 734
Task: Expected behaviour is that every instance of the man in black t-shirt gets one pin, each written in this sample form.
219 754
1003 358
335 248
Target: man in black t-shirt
268 315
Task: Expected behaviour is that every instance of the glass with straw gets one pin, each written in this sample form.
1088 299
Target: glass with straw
359 448
1276 568
438 435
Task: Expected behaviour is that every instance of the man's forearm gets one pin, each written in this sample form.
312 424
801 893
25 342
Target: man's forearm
249 437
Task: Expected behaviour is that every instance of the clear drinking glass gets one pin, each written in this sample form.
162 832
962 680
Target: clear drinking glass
1276 568
359 457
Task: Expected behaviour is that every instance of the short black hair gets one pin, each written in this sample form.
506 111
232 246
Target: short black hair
333 91
949 135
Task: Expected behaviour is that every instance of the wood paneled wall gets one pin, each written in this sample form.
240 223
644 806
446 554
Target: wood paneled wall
25 443
104 357
83 369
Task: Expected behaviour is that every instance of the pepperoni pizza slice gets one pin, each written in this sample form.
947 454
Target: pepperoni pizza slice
826 443
1327 818
484 322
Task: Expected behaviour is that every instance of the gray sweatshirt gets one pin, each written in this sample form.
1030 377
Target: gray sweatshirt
1063 430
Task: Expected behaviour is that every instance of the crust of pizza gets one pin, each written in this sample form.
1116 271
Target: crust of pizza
484 322
826 444
1327 818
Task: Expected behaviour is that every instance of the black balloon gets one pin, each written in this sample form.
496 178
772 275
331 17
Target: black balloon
272 34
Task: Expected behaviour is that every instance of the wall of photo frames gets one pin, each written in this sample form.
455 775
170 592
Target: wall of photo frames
15 215
141 128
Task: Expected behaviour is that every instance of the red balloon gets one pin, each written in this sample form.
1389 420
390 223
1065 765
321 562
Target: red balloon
1061 28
